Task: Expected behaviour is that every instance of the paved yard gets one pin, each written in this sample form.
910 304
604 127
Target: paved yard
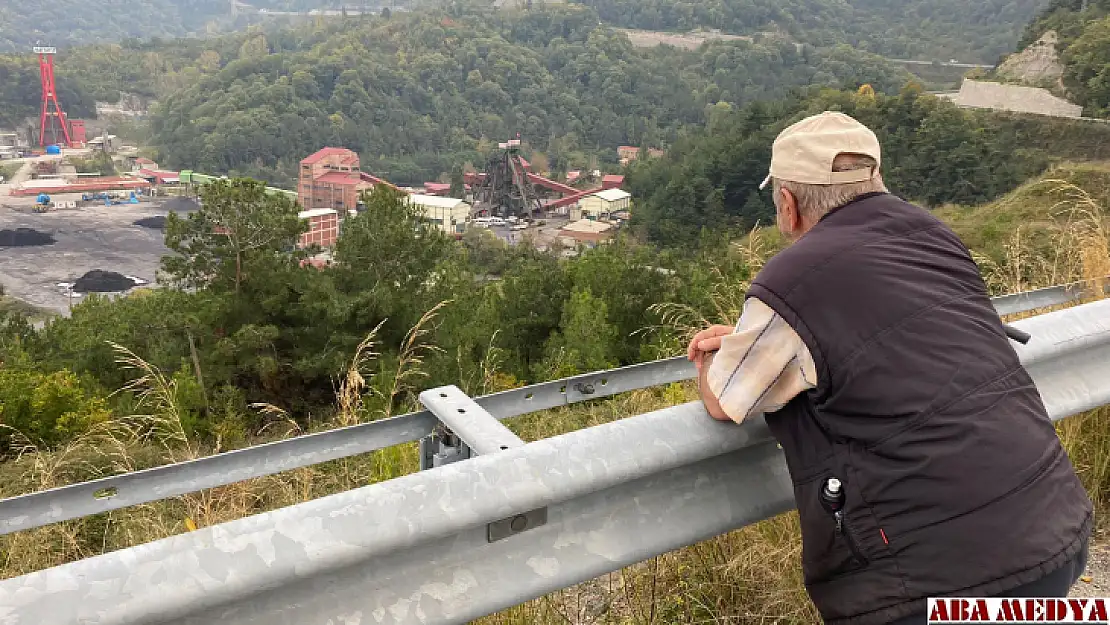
97 237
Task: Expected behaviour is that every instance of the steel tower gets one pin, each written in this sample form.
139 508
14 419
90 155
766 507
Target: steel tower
52 113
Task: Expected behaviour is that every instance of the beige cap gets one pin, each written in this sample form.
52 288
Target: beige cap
805 151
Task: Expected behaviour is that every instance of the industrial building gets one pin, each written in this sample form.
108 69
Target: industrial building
323 227
627 153
450 215
333 178
601 205
330 179
193 182
159 176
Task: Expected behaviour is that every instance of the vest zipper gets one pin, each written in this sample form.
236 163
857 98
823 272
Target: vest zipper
843 530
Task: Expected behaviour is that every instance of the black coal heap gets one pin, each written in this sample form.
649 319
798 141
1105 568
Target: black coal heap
24 237
97 281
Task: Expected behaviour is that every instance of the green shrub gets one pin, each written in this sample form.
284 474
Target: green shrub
47 408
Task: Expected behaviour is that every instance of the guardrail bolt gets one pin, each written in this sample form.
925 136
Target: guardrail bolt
585 389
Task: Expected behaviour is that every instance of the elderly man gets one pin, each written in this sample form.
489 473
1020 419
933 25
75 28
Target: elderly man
923 460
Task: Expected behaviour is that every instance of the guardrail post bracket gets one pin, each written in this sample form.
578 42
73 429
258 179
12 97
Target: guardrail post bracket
468 429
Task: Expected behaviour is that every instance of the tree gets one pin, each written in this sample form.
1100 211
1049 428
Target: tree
458 182
238 228
540 164
254 47
585 340
386 261
1087 64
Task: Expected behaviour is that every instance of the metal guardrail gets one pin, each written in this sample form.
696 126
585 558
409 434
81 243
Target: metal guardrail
120 491
417 549
1051 296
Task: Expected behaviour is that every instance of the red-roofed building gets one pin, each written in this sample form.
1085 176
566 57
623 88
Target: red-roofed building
331 178
140 162
573 175
159 177
627 153
333 157
437 188
612 181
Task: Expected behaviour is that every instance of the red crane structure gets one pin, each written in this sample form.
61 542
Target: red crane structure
51 108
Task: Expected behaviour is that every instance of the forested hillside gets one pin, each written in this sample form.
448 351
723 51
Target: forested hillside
94 73
415 94
1083 27
933 152
927 29
66 23
910 29
24 23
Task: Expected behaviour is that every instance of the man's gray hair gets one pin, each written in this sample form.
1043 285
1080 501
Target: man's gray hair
817 200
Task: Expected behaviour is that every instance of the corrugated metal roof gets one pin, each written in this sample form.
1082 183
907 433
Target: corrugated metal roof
435 201
159 175
613 195
568 200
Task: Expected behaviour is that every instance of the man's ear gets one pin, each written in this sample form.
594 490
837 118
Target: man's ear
791 215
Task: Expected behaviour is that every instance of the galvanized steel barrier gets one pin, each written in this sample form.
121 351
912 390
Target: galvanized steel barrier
465 539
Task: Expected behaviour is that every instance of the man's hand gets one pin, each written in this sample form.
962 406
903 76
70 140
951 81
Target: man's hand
706 342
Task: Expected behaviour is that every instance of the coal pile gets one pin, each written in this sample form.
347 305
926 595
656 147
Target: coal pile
97 281
24 237
154 223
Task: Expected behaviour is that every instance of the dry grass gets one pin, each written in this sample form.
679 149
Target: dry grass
751 575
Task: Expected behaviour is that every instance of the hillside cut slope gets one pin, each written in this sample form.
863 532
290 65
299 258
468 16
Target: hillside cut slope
1037 65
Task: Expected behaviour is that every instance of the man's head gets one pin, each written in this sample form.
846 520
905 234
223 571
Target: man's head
819 164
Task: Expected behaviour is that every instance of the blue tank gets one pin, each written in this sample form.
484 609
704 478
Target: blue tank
43 198
53 149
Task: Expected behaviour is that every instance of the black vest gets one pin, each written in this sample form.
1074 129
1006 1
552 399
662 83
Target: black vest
955 482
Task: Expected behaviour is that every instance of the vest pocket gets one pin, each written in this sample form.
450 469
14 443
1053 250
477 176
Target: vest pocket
831 546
